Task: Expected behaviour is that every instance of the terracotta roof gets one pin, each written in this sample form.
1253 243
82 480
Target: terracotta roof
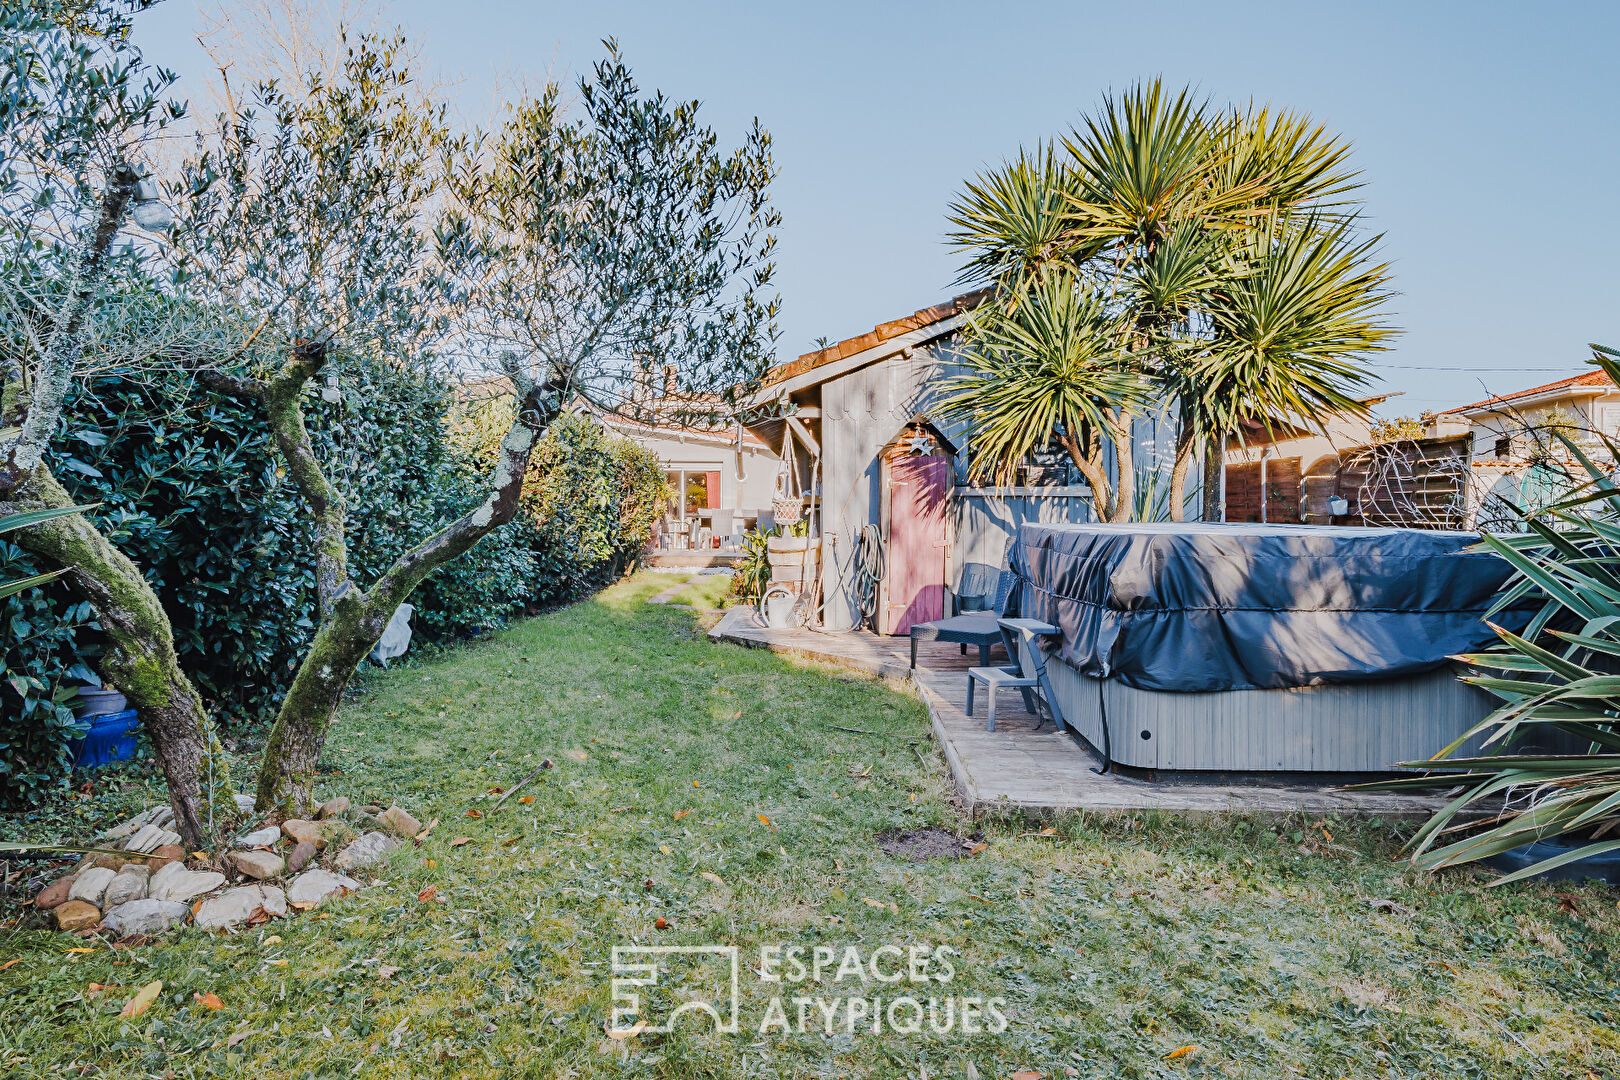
1590 378
876 336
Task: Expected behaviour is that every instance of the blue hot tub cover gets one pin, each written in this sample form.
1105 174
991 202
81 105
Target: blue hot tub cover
1201 607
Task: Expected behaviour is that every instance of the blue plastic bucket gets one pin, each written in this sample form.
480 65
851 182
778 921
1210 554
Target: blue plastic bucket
111 738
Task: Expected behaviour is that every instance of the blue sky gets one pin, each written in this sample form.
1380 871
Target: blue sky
1487 133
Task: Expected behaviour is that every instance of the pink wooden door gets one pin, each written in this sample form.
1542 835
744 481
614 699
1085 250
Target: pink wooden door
918 487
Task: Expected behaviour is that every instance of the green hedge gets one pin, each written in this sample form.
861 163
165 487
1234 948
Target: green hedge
192 488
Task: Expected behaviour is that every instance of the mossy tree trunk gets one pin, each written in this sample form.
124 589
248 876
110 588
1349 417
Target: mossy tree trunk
140 660
352 620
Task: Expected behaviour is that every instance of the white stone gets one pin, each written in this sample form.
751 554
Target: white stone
144 839
239 905
371 847
91 884
183 886
244 803
129 884
265 837
145 917
313 886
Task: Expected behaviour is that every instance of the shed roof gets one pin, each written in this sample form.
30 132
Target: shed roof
917 320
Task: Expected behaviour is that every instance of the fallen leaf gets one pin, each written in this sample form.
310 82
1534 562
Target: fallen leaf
513 840
980 899
431 864
1567 902
429 827
277 963
526 799
576 755
1048 831
1180 1052
474 812
143 999
236 1039
763 820
199 854
387 971
869 902
661 923
8 963
427 894
630 1032
305 905
94 990
1390 906
271 940
458 841
716 878
681 813
665 849
1028 1074
696 784
978 848
208 1001
497 791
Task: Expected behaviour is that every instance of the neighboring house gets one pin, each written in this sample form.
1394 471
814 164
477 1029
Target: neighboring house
875 464
1516 459
722 477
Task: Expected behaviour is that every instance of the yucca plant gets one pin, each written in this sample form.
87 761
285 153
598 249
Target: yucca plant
1560 674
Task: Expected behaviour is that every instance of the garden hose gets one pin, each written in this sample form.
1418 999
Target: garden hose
869 564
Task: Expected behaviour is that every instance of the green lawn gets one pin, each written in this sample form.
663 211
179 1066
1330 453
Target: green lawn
1112 942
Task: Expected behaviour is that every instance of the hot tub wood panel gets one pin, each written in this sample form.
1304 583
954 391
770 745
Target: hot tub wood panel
1345 727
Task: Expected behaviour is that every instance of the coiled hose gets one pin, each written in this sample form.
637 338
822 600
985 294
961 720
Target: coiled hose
869 564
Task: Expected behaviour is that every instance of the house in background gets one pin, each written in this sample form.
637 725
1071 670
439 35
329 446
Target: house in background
722 479
1516 460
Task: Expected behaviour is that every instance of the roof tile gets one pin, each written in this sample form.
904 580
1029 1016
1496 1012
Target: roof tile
876 336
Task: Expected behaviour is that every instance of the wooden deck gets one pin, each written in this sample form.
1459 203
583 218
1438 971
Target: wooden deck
1028 767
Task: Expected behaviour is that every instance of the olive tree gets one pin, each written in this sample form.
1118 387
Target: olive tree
560 255
78 110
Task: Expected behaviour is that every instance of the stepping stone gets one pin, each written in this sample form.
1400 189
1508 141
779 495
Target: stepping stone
302 831
166 855
150 838
311 888
265 837
129 884
371 847
76 915
91 885
145 917
175 882
256 864
239 905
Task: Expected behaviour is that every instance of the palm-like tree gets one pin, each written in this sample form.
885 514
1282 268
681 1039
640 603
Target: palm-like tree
1044 367
1219 245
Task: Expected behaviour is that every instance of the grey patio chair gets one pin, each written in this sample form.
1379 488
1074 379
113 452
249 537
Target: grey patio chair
1027 672
971 628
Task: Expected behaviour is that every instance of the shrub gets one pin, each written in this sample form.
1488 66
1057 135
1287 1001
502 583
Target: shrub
593 499
194 491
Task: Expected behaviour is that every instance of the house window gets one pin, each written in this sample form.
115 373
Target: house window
1504 446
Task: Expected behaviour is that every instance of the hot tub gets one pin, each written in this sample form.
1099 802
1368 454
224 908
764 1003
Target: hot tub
1261 648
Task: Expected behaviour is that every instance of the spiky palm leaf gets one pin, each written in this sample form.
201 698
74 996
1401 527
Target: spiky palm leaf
1041 364
1289 327
1013 219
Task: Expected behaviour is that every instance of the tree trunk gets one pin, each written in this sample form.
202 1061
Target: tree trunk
1214 477
352 620
140 661
1186 439
1101 491
1119 432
